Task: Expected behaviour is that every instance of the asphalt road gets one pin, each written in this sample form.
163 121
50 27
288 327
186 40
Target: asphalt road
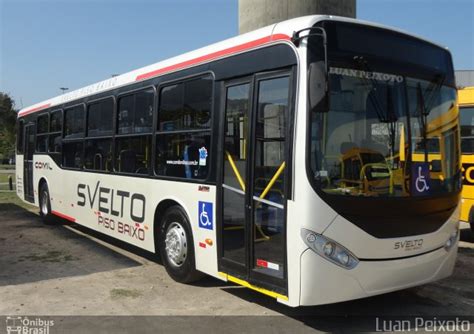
76 275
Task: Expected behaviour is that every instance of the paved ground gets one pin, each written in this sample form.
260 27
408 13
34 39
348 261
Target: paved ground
66 270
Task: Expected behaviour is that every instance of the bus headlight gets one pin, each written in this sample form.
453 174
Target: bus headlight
329 249
452 240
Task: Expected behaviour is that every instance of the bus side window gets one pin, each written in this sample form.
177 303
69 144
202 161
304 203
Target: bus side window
73 137
42 133
134 127
98 143
55 135
184 129
19 139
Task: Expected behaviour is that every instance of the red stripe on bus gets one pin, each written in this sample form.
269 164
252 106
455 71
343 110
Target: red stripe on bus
214 55
61 215
195 61
44 106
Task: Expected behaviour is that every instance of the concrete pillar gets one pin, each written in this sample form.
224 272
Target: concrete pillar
254 14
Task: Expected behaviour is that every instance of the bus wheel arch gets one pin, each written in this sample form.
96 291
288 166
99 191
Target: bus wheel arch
174 241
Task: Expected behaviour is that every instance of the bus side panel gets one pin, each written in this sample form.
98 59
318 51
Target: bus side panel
124 207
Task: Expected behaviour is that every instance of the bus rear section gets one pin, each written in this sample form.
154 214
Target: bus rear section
466 118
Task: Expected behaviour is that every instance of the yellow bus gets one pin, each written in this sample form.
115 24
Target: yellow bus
466 116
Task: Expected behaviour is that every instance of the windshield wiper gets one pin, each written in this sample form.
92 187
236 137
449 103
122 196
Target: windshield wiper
385 116
360 60
423 114
433 89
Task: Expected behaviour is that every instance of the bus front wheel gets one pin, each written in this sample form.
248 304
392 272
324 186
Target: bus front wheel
177 246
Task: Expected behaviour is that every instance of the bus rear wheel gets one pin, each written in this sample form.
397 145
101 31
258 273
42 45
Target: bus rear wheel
45 204
177 247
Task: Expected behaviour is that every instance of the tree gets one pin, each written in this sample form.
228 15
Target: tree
8 116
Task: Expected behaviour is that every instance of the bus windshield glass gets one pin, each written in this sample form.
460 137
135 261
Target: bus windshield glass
389 126
466 117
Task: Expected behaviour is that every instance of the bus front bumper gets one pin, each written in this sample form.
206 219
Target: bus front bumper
323 282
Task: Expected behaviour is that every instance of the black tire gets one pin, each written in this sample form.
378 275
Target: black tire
472 228
45 204
181 268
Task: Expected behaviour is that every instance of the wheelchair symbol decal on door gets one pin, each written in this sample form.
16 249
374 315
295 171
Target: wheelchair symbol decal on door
205 215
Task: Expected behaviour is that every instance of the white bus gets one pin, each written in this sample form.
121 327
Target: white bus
272 160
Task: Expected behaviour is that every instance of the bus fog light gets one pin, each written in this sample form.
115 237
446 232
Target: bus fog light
329 249
452 240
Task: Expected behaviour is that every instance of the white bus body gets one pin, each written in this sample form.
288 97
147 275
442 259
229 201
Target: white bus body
130 207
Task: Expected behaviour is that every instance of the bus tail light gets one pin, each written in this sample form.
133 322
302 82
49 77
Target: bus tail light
329 249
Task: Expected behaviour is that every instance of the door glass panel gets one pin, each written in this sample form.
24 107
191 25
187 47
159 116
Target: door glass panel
235 164
269 181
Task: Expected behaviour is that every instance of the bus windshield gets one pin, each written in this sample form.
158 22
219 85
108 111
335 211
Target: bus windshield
389 127
466 117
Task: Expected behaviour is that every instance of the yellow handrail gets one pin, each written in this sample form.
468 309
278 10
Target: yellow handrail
236 171
273 180
242 184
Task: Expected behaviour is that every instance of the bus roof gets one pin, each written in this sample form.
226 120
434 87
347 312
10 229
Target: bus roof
278 32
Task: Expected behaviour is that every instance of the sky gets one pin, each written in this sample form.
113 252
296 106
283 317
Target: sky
48 44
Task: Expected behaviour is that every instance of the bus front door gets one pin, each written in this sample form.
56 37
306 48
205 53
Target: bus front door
29 148
254 181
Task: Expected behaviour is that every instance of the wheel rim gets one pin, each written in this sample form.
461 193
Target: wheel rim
176 245
44 203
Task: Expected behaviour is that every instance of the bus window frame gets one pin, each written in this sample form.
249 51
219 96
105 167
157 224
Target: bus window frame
72 140
95 101
212 130
43 134
133 134
111 136
20 133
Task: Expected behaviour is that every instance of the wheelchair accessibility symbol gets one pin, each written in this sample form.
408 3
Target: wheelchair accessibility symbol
421 185
205 215
421 178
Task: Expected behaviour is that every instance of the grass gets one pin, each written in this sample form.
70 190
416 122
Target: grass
8 201
50 256
4 177
120 293
7 167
